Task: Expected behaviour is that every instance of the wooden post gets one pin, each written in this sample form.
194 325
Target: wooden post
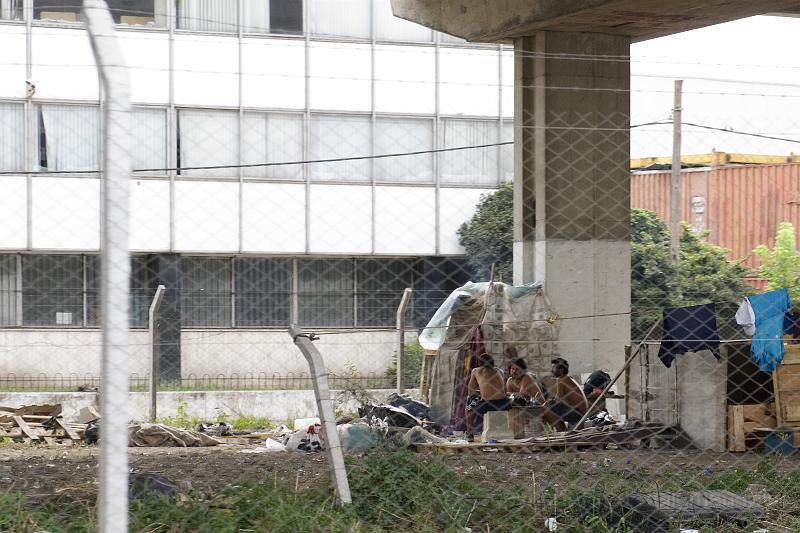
675 193
154 352
401 340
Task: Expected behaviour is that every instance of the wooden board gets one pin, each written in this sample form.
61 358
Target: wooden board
68 430
26 429
786 382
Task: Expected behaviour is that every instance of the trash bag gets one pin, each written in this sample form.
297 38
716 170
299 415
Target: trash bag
356 437
415 407
92 432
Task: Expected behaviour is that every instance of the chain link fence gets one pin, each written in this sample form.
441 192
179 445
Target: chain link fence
295 166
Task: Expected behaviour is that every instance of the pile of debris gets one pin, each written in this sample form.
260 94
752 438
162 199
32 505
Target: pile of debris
39 423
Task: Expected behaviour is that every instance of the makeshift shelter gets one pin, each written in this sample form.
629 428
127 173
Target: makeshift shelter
486 317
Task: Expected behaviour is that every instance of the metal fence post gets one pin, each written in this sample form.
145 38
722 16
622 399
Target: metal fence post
319 377
115 269
401 339
155 355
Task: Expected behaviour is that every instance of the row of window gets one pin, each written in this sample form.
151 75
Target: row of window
63 290
69 141
345 18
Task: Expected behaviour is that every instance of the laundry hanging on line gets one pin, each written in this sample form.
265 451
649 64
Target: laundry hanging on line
688 329
770 310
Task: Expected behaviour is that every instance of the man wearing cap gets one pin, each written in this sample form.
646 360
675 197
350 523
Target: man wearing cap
568 403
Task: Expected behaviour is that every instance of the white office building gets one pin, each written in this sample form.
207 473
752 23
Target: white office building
243 248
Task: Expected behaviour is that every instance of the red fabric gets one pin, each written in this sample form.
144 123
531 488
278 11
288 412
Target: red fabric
476 348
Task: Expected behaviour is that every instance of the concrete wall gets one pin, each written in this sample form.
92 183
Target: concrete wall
702 399
30 354
277 406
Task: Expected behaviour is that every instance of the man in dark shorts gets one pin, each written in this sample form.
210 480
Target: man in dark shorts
486 392
568 403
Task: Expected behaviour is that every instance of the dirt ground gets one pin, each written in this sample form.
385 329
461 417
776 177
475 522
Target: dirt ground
41 472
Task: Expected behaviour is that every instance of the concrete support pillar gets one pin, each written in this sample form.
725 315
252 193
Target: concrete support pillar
572 187
166 271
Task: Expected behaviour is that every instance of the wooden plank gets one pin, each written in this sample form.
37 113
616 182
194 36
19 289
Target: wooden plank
68 430
776 386
736 439
51 441
26 429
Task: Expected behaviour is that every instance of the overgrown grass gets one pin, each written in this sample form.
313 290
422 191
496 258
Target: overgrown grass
402 491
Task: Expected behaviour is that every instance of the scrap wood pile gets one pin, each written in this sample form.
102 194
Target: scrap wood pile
39 424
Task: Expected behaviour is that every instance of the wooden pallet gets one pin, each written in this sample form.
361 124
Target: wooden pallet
504 447
743 420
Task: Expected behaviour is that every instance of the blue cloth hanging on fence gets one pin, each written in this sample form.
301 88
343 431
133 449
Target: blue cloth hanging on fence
770 311
688 329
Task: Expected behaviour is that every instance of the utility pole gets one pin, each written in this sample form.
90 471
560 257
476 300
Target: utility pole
675 193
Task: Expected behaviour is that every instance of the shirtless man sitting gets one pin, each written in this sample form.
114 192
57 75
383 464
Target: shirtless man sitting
522 389
569 403
486 392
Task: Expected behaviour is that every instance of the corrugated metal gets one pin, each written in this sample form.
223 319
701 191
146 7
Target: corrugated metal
743 204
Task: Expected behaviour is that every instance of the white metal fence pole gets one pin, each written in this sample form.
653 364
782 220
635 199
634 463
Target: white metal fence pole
115 269
155 356
401 340
319 377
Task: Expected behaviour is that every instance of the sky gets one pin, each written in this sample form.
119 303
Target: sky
742 75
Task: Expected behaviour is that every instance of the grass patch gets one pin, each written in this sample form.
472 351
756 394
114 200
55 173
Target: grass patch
398 491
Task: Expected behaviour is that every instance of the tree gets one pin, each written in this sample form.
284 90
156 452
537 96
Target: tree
781 265
487 237
703 274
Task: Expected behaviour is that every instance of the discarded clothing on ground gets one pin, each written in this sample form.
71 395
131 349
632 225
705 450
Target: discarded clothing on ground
770 312
158 435
417 435
688 329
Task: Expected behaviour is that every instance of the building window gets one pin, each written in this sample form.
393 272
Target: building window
400 135
12 135
263 291
391 28
258 16
11 9
285 16
140 295
149 138
207 138
208 15
380 286
69 138
326 292
336 136
52 290
205 292
272 138
345 18
8 290
133 12
473 166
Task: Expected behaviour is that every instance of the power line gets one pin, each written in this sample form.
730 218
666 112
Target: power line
313 161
